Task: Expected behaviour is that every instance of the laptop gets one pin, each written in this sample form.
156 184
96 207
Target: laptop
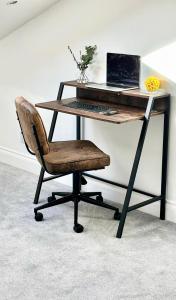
122 73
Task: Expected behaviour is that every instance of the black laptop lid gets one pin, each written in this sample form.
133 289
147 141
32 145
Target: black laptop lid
123 68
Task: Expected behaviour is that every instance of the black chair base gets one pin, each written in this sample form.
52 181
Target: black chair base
76 198
98 195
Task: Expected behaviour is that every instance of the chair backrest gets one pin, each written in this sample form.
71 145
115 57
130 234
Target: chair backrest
29 117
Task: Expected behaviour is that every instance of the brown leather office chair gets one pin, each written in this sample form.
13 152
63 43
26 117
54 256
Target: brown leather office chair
61 157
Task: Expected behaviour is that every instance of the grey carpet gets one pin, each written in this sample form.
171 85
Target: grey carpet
47 260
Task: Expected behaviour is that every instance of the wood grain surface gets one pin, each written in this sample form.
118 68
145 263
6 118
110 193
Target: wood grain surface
125 113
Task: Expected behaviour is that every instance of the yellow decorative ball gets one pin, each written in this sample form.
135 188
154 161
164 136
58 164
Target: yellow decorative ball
152 84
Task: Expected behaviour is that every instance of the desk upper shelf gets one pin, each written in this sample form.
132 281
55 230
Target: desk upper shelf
135 98
134 93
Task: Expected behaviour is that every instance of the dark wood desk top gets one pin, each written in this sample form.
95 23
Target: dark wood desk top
125 113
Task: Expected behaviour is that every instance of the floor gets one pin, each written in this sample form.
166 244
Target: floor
47 260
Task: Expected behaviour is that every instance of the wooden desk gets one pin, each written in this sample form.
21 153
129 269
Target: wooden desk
129 108
132 105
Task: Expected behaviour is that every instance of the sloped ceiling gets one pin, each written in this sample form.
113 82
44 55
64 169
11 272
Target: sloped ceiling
14 16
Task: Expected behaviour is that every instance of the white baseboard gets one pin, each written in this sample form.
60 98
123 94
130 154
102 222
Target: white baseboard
115 194
26 162
19 160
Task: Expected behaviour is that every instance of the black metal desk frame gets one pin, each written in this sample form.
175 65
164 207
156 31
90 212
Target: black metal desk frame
130 187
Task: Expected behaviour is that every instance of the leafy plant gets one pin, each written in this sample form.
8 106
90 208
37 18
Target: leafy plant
86 58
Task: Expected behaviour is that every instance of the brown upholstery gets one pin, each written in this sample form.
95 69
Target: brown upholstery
75 156
59 157
29 116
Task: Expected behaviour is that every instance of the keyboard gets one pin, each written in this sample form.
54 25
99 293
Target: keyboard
88 107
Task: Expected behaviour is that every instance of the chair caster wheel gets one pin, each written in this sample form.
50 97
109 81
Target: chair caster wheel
117 215
99 198
51 198
38 217
78 228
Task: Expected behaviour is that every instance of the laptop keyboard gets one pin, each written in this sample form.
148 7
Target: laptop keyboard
88 107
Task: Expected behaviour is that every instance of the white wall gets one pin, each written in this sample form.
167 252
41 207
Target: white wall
34 59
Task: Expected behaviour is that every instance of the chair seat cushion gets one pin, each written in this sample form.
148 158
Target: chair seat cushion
73 156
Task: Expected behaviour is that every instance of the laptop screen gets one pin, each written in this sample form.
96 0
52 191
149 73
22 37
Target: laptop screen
123 68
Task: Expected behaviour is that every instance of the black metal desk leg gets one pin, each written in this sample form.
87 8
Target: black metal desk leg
164 165
83 181
135 167
78 127
55 114
50 136
78 137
